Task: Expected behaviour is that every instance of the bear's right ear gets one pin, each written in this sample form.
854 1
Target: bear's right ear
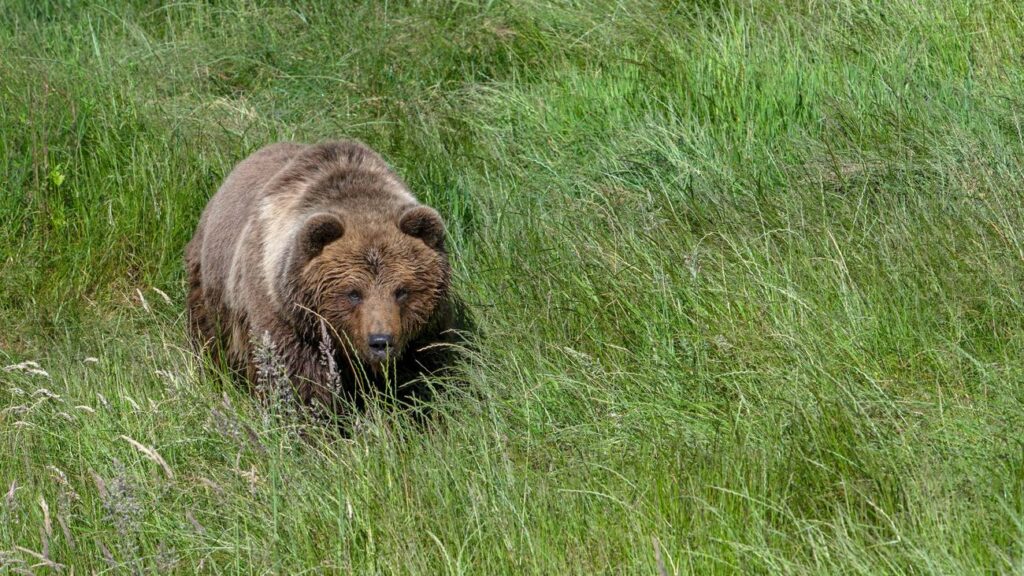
319 231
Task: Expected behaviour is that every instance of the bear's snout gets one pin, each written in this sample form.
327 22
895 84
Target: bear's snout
380 345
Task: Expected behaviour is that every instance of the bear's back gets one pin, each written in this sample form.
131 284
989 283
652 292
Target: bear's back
235 206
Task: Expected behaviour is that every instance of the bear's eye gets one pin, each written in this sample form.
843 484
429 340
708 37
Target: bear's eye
354 296
401 294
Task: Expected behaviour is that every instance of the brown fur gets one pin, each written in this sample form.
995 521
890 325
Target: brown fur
300 233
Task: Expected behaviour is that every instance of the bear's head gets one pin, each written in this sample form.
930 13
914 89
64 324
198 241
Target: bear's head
377 281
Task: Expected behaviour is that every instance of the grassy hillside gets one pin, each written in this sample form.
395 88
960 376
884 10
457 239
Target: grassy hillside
749 277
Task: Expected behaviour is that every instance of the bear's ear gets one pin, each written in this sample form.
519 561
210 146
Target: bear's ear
425 223
318 231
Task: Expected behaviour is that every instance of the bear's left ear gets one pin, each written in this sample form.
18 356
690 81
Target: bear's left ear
425 223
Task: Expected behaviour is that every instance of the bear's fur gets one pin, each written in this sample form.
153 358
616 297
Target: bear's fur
306 240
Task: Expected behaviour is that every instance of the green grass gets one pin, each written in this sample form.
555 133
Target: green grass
749 277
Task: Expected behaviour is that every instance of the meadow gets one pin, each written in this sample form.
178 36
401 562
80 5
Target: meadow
748 279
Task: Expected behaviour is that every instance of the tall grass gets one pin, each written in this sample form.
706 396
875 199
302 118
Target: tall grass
748 277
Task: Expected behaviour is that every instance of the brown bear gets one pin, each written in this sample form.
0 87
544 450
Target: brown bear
308 243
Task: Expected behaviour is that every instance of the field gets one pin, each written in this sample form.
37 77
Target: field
748 277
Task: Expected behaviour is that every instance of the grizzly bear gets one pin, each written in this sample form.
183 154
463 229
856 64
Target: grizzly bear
307 243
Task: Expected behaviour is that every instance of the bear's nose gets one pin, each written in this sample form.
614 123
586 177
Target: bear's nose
380 343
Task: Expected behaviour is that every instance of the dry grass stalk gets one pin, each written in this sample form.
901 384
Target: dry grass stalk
43 560
142 299
152 455
108 557
9 497
68 497
212 486
27 367
13 564
101 486
135 405
658 560
45 538
163 295
254 439
47 523
67 531
200 529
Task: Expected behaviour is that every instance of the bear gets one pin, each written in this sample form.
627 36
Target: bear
322 250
